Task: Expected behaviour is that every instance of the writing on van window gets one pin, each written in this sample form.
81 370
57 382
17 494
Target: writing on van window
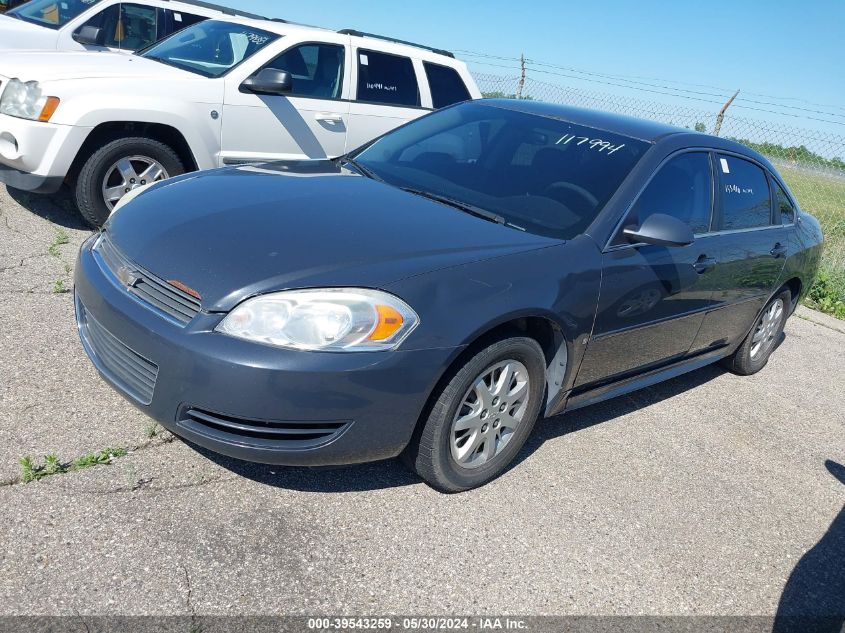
738 189
597 144
382 87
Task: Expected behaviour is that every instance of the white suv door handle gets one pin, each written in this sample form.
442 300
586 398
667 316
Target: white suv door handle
328 117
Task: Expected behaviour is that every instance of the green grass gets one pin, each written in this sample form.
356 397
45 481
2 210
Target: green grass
824 197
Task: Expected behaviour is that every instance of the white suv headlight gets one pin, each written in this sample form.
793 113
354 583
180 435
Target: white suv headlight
25 101
331 320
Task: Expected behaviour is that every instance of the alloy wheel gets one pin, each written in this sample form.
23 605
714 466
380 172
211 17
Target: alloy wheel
490 412
130 173
767 328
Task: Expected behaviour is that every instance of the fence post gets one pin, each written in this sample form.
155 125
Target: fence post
521 84
721 116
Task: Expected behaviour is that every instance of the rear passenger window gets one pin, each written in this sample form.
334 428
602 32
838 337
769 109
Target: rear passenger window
744 193
446 85
787 209
683 189
388 79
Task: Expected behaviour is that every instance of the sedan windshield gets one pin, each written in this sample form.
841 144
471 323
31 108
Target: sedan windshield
53 14
210 48
534 173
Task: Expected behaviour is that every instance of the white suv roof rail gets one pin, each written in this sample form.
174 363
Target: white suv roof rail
228 10
438 51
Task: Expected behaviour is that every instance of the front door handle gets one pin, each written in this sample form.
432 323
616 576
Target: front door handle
703 264
778 251
328 117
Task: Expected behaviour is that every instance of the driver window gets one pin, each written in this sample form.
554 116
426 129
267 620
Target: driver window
683 189
316 69
127 26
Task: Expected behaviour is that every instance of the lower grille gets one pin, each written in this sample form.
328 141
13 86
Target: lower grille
127 369
260 433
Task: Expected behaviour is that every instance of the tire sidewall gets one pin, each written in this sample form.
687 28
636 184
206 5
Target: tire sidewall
89 194
527 352
753 365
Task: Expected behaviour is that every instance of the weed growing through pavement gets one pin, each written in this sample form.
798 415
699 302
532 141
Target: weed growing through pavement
61 238
59 287
30 471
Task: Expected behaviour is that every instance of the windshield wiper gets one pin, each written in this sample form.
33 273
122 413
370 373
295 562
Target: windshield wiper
457 204
369 173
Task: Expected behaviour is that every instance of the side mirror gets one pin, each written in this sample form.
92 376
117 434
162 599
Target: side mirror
270 81
89 36
661 230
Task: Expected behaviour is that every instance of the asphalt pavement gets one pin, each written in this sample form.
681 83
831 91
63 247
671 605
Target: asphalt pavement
710 494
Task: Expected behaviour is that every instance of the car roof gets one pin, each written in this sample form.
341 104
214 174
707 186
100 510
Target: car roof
642 129
364 40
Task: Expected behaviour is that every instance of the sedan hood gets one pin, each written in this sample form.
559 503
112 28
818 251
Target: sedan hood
19 35
74 65
233 233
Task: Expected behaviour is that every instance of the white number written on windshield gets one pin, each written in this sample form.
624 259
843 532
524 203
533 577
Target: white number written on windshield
593 143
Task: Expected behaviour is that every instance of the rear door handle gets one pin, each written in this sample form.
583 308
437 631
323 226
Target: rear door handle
778 251
328 117
704 264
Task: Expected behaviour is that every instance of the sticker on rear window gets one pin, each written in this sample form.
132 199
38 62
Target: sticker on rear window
177 17
725 168
364 60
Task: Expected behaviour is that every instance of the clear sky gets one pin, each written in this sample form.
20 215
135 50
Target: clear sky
791 49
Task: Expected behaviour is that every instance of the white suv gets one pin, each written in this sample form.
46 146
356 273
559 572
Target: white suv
221 92
101 24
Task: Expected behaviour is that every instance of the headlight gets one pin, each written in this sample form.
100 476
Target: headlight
25 101
332 320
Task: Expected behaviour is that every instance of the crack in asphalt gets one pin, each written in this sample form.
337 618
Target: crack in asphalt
23 261
189 599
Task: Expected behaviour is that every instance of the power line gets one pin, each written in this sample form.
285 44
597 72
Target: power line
656 90
635 80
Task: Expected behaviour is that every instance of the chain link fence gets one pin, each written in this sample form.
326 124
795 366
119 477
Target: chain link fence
811 161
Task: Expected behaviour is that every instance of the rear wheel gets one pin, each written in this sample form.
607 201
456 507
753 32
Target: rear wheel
116 169
482 417
758 346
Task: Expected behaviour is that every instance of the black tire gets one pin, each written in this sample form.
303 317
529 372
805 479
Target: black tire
742 362
429 453
88 185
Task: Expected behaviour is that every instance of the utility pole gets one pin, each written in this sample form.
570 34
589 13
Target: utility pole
721 117
521 85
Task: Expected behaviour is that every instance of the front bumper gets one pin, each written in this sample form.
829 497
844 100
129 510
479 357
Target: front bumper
37 156
250 401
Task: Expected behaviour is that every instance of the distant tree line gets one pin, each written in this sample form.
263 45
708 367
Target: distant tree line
503 95
799 154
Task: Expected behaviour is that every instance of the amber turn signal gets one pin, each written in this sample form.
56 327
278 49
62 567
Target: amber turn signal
49 109
389 322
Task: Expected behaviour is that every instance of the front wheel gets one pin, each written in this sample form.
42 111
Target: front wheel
758 346
481 417
116 169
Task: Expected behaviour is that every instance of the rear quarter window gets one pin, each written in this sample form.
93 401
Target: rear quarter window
446 85
387 79
744 194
